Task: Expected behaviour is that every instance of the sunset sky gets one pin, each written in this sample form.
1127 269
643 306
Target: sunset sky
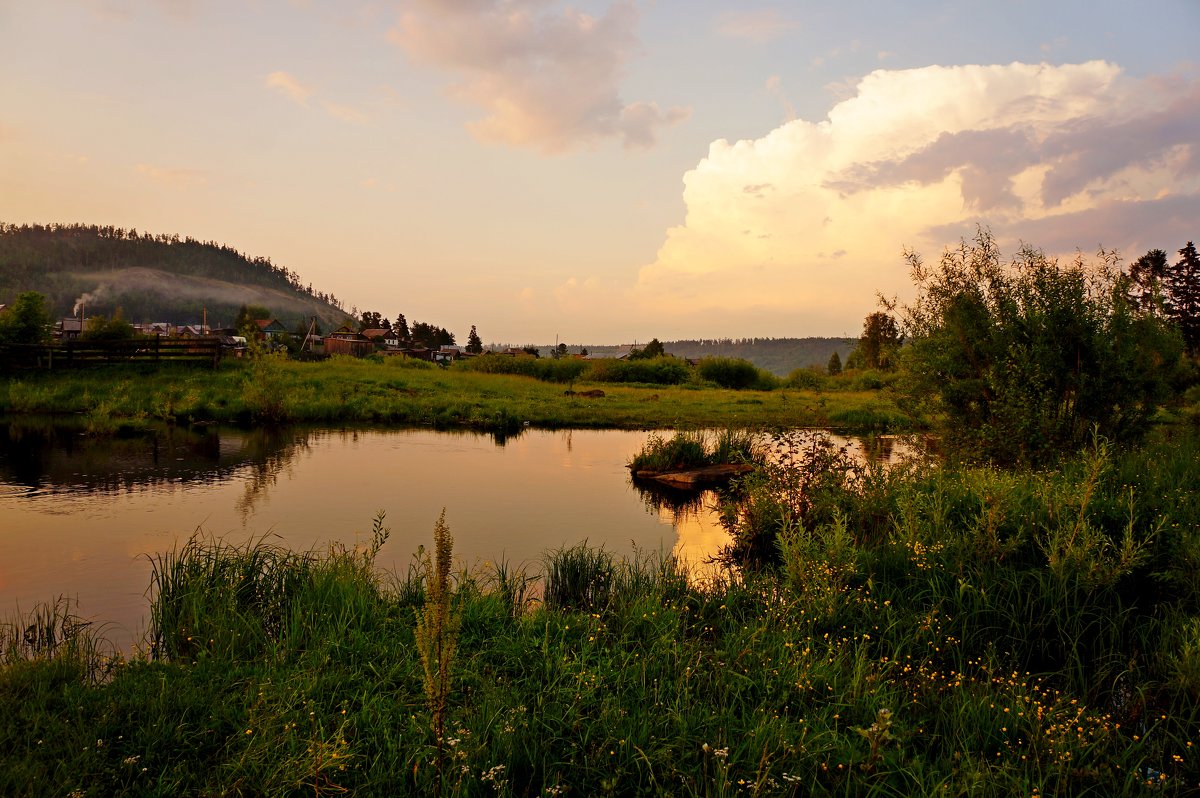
607 171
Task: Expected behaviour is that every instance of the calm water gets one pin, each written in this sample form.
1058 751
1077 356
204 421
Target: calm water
78 516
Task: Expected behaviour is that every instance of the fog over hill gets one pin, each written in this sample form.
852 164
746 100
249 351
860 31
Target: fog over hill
98 270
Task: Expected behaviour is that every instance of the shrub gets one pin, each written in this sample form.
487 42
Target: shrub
561 370
1023 361
806 378
735 373
664 370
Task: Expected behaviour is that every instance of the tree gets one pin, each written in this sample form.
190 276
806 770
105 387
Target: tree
653 349
474 344
560 351
26 321
372 320
583 351
532 350
247 315
835 365
880 341
400 327
101 328
1146 275
1024 361
1183 288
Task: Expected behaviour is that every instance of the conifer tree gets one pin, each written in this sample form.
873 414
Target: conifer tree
1183 286
474 344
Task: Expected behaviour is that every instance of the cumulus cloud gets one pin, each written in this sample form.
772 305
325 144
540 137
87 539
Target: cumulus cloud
757 25
1060 156
547 77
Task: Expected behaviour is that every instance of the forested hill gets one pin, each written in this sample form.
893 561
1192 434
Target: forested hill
780 356
152 277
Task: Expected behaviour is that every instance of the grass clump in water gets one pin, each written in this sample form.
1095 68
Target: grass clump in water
696 449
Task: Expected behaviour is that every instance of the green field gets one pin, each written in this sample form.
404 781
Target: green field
403 392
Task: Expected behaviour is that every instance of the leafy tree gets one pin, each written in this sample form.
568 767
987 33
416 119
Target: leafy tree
474 344
835 364
247 315
430 336
560 351
1183 287
653 349
400 327
26 321
116 328
880 341
372 320
1024 361
532 350
583 351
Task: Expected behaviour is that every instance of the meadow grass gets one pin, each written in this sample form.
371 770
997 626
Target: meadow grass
396 391
922 631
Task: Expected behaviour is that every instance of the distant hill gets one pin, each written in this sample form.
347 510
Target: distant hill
780 356
152 278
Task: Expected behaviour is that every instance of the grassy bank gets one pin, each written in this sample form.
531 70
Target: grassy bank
396 391
927 631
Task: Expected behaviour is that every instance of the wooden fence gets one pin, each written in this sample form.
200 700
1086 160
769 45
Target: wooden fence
83 354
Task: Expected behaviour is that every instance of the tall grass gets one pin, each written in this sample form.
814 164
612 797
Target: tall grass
920 631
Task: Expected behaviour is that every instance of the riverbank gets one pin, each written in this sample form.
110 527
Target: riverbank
400 392
938 631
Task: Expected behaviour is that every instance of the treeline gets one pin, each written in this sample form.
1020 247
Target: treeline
780 356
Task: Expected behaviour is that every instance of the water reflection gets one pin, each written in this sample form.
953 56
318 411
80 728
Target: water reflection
79 515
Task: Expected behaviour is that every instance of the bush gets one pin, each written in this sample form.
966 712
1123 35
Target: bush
658 371
735 373
807 378
1024 361
548 370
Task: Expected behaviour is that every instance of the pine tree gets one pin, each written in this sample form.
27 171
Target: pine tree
835 365
474 344
1183 287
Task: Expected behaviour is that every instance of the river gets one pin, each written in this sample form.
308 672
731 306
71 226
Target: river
80 516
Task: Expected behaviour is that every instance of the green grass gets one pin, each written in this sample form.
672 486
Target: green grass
923 631
345 390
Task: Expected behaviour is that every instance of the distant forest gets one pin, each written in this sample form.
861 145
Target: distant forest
780 356
151 277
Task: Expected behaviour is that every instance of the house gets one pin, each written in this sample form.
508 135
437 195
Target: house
270 328
377 336
345 341
70 328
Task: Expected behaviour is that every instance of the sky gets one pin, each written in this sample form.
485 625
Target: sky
607 171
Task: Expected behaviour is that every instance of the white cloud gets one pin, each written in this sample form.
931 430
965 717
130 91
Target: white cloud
547 78
917 158
289 85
